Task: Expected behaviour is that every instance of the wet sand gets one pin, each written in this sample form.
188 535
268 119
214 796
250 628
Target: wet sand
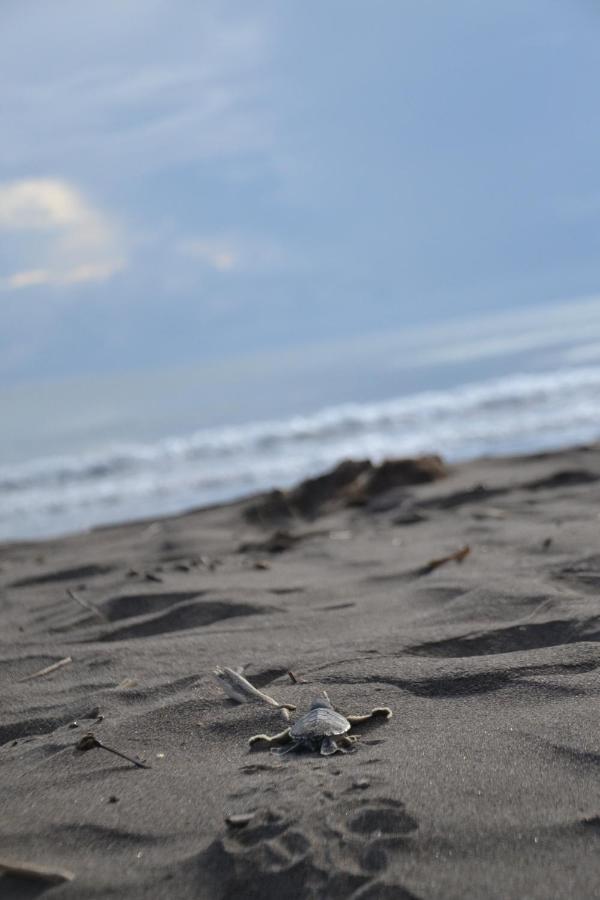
485 782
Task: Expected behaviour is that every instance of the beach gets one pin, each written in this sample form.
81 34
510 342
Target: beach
463 596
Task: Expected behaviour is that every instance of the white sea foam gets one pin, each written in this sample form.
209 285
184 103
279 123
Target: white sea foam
516 413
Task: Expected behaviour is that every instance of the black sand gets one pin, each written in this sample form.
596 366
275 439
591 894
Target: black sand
486 781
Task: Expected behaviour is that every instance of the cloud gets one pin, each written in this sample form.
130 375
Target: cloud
58 236
182 92
228 253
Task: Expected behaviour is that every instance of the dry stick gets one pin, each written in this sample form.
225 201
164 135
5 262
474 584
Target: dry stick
294 678
48 874
89 741
86 605
239 689
48 669
458 556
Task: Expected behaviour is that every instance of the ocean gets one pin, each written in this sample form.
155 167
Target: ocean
92 451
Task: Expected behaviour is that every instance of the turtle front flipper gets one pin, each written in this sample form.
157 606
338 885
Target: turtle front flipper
379 712
282 738
328 746
281 751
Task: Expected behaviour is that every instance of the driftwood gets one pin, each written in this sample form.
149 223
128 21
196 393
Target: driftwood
49 669
87 605
458 556
90 742
239 689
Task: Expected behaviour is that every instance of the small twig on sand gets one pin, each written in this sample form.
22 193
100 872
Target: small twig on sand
294 678
458 556
239 689
47 874
239 820
90 741
150 576
49 669
87 605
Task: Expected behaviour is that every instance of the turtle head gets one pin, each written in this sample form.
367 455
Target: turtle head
322 702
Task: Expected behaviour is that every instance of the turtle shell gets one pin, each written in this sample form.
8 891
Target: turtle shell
319 722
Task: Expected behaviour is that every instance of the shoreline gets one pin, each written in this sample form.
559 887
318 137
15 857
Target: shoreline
124 478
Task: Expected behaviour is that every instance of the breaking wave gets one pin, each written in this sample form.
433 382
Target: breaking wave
511 414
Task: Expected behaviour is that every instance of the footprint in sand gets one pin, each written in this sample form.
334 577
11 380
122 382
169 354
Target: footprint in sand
380 818
267 845
369 828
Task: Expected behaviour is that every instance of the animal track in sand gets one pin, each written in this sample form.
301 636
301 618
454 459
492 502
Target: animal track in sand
267 826
250 861
336 853
367 829
181 617
379 818
275 855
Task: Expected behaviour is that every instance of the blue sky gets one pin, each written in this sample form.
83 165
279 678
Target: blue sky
185 182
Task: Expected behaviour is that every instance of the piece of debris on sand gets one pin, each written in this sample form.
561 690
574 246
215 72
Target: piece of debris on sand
350 483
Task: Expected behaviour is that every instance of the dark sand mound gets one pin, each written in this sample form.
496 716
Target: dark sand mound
483 784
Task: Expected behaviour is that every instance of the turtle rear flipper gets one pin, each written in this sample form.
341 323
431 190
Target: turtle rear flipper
328 746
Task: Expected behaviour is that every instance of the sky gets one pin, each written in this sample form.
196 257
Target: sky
188 183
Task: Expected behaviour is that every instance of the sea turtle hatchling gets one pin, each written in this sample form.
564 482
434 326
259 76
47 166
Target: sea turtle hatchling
321 728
